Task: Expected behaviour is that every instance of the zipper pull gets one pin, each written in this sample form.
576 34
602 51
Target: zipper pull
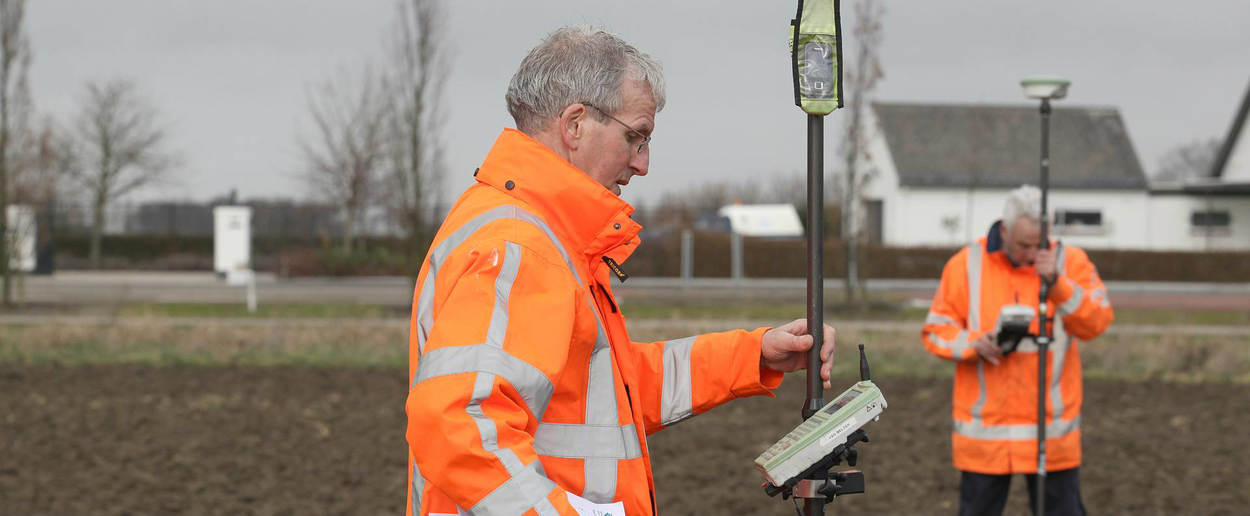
616 269
611 303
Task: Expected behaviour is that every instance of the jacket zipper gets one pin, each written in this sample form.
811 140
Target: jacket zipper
606 297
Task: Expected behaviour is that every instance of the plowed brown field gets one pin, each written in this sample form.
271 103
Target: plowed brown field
106 440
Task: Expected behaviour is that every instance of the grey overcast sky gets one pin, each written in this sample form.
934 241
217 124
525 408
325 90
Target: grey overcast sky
230 76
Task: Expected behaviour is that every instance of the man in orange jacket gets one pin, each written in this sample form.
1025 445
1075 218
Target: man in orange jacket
995 396
526 394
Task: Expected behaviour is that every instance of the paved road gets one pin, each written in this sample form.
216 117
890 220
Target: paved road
635 325
79 288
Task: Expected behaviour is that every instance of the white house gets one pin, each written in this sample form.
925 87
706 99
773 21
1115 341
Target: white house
1218 207
942 171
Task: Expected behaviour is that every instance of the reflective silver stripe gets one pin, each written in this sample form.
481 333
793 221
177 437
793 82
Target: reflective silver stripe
600 480
936 318
979 407
527 489
425 302
1073 302
956 346
1099 295
600 474
486 426
677 397
534 386
974 286
503 289
1058 355
587 441
1054 430
418 485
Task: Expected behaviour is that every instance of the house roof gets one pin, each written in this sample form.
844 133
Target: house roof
1234 134
988 146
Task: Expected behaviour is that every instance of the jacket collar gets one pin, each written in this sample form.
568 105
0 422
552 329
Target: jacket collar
994 239
587 217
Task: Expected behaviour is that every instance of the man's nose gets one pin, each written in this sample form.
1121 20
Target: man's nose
640 162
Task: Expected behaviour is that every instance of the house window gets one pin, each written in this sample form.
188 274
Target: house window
1210 219
1091 218
1079 222
1210 222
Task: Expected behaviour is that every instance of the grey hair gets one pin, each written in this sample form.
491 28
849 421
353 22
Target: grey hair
1025 201
578 64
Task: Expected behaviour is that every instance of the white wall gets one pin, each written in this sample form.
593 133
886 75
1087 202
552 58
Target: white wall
1169 223
948 217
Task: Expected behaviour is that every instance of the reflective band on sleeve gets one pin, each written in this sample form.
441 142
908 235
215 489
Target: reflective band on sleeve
527 489
486 426
418 485
956 346
1025 432
936 318
503 290
1073 302
1099 295
535 388
974 286
587 441
676 400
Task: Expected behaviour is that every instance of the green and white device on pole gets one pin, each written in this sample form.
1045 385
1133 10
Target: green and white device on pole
821 435
817 59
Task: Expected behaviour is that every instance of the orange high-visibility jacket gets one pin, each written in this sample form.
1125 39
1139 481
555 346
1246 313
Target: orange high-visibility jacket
995 407
523 381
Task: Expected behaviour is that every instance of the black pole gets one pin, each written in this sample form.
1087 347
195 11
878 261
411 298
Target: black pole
1043 337
815 282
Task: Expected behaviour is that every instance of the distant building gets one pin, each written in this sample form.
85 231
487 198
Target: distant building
942 172
754 220
763 220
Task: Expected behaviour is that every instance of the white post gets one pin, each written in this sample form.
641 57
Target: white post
251 293
735 254
687 254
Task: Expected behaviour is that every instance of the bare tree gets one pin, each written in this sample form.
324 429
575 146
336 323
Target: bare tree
342 162
14 96
860 81
1189 161
116 147
416 78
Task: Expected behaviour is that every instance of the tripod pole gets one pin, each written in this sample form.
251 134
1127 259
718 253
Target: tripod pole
1043 330
815 282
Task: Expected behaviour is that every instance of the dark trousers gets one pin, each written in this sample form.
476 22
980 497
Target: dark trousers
986 495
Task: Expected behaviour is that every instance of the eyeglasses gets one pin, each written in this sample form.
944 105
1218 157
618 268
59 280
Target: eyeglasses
645 140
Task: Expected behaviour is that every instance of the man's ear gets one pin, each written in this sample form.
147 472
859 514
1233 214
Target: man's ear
571 126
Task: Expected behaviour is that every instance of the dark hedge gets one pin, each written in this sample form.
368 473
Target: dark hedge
658 256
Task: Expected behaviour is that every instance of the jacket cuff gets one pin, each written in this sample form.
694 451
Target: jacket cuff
765 379
1062 290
